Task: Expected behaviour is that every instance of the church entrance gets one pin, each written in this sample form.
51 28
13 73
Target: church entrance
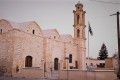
56 60
76 64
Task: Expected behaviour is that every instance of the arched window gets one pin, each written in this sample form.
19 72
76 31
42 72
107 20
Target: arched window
56 64
1 31
54 37
78 32
33 31
28 61
70 58
78 18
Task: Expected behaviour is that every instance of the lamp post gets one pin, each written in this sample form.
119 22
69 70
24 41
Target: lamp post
118 31
118 37
67 58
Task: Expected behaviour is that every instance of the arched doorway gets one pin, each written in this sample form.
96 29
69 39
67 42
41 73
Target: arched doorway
70 58
76 64
28 61
56 63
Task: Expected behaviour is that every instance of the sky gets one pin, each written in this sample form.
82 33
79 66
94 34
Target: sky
58 14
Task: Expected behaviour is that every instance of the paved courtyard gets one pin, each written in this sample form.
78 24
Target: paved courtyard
11 78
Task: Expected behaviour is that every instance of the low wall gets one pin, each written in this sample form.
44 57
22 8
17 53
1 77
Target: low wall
30 73
87 75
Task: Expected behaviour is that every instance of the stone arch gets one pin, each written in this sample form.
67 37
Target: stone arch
56 63
78 19
76 64
78 32
70 58
28 61
1 31
33 31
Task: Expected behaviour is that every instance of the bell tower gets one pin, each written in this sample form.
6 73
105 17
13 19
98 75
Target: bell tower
79 34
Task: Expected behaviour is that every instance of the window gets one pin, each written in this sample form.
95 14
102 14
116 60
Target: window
56 64
28 61
33 32
17 68
54 37
1 31
78 18
70 58
78 32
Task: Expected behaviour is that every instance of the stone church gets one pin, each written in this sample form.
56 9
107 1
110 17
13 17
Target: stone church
26 48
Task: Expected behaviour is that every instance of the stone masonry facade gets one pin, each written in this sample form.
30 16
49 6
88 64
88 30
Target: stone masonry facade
26 46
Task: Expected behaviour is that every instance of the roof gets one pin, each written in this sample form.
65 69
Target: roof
14 25
17 25
79 4
24 24
48 32
92 58
20 26
66 38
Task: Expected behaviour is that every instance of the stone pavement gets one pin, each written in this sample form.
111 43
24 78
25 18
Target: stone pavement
15 78
51 76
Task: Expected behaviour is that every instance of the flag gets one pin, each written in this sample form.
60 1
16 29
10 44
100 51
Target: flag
90 30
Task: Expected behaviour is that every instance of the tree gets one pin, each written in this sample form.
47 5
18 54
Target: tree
103 54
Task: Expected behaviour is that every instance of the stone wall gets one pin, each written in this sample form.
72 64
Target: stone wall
109 63
57 49
26 44
70 48
87 75
30 73
5 26
53 49
6 53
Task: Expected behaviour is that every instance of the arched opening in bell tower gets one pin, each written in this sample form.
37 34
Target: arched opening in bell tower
78 18
1 31
78 33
